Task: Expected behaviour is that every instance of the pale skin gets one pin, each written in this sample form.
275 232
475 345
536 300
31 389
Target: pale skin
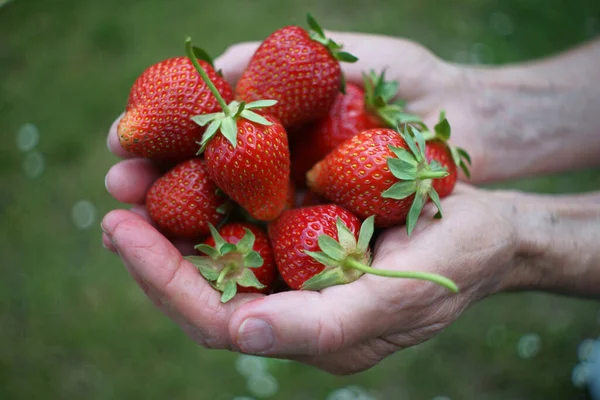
517 120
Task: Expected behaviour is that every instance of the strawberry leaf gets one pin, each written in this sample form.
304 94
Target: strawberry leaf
414 212
419 140
229 130
331 247
248 279
345 237
442 130
229 291
330 277
204 119
346 57
403 155
201 54
412 145
435 198
208 134
260 104
464 155
227 248
205 266
246 243
400 190
254 117
208 250
314 25
322 258
253 260
366 233
219 241
402 170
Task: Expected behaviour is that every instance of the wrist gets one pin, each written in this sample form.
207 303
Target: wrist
528 120
556 242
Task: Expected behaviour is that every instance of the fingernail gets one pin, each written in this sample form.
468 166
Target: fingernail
255 336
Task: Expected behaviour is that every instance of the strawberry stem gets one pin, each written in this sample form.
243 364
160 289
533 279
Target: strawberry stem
224 273
440 280
190 53
432 174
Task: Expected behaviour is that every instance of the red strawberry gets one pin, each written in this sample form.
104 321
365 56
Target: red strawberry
450 157
184 201
238 259
321 246
299 69
352 112
157 121
297 231
247 154
379 172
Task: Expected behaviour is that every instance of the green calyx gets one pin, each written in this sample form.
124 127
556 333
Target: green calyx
415 175
317 34
347 259
442 132
224 122
379 94
227 265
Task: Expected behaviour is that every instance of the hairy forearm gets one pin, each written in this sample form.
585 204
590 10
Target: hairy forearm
539 117
558 244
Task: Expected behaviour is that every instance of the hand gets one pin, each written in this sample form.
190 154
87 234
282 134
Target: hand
342 329
347 328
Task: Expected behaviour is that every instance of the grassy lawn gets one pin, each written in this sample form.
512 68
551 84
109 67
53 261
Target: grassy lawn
73 325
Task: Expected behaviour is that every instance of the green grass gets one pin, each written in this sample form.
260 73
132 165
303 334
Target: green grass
74 325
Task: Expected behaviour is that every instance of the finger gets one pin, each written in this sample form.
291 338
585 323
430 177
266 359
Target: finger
112 141
414 67
308 323
178 285
129 180
354 359
107 243
235 59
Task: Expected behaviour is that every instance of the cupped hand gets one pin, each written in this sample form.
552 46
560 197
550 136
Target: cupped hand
342 329
347 328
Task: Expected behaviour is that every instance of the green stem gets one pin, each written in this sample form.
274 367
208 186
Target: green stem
432 174
223 274
190 53
440 280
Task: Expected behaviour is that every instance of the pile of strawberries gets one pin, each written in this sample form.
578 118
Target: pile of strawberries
290 172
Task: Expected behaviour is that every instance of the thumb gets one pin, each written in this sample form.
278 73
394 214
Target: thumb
308 323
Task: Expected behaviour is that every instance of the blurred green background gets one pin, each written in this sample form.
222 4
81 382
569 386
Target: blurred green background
73 325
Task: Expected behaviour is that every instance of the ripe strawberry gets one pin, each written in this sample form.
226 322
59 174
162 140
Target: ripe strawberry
450 157
299 69
352 112
184 201
157 121
250 159
238 258
379 172
298 235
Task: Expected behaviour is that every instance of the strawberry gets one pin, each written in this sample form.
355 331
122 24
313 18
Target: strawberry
156 123
321 246
437 148
352 112
238 258
184 201
247 154
298 68
379 172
